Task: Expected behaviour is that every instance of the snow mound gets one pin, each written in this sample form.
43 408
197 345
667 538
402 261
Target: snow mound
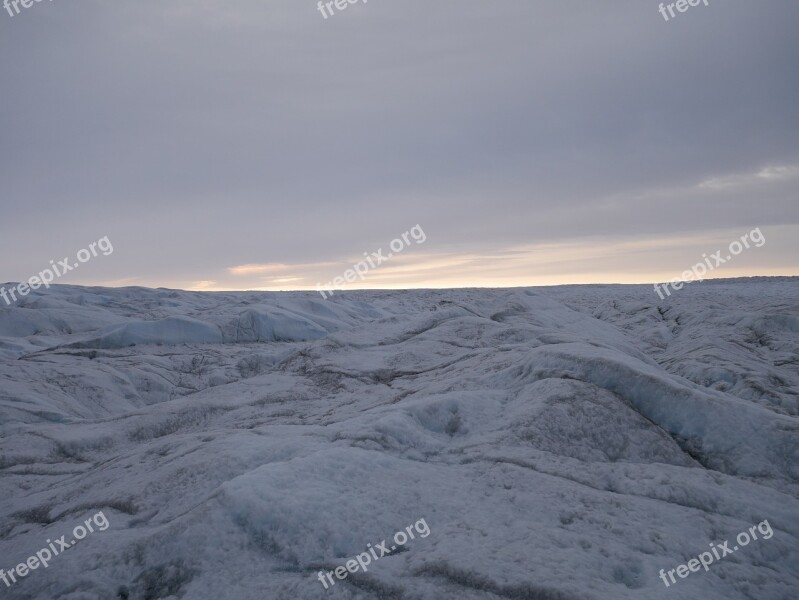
272 325
169 331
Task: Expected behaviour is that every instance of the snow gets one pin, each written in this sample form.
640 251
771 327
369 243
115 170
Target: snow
561 443
171 331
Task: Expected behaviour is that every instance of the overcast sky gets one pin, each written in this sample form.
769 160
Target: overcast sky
254 144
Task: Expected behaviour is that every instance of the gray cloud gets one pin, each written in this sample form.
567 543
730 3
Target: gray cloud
201 135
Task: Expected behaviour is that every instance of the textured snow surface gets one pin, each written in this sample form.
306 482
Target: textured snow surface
561 443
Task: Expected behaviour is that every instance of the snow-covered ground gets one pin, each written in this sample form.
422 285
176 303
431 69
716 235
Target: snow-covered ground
560 443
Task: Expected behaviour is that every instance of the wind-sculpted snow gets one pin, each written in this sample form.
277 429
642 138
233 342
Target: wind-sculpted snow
561 443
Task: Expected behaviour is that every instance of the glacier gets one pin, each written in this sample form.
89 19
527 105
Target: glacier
563 442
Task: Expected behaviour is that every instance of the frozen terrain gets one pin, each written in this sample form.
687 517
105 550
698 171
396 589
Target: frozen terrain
561 443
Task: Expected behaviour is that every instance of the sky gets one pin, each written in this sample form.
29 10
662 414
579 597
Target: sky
256 144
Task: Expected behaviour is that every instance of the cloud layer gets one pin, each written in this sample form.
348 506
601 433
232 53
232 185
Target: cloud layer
258 145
